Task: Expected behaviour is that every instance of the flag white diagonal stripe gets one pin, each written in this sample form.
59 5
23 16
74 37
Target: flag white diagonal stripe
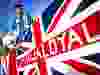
88 62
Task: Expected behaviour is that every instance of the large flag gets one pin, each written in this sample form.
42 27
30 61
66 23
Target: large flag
56 20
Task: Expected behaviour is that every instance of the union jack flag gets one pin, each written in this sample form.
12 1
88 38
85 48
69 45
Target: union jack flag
57 17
